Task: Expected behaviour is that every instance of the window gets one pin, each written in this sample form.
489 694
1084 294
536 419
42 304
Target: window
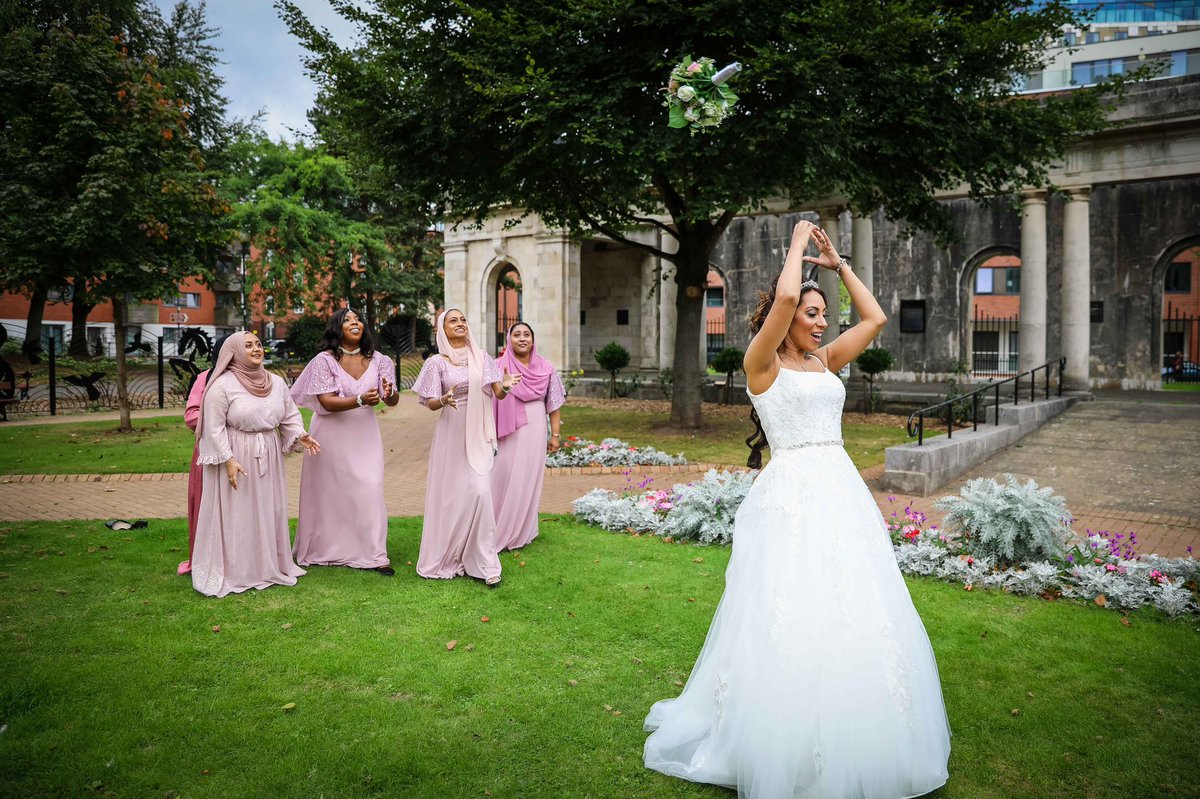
1069 38
714 297
171 337
228 299
185 300
298 305
912 316
1012 280
269 306
1091 37
582 317
983 281
1097 311
623 316
53 333
1179 278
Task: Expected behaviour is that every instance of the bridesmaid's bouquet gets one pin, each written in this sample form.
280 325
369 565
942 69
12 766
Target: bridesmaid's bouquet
697 96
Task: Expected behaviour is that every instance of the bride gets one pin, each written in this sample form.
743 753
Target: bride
817 678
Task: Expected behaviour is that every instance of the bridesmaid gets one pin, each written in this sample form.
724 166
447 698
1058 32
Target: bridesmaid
521 430
191 417
343 518
247 423
459 534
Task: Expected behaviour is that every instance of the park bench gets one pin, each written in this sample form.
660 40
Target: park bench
12 392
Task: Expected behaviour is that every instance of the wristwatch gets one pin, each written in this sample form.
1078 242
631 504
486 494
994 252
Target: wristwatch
358 399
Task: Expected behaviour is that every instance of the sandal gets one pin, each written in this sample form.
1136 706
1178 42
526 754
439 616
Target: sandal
121 524
492 582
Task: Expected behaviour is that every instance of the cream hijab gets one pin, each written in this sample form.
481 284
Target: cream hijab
481 423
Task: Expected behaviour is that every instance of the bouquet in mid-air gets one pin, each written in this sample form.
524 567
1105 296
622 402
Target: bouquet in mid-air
697 96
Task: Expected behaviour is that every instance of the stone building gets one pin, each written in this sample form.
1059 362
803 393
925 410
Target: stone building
1094 251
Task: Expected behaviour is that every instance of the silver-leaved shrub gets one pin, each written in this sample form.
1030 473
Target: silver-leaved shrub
1009 523
609 452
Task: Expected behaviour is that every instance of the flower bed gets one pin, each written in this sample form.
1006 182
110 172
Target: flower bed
701 511
1104 568
609 452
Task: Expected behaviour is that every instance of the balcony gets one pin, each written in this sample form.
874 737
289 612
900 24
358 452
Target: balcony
228 317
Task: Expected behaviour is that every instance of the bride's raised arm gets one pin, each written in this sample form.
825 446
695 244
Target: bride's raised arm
762 361
847 346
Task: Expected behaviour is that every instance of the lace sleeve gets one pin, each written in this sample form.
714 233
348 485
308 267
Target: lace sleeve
492 373
291 426
317 378
428 385
556 394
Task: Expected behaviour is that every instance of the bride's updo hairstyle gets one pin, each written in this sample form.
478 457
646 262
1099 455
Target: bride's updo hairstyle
757 441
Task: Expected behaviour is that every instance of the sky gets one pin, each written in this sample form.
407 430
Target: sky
263 67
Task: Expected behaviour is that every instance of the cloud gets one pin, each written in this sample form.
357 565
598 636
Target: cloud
263 63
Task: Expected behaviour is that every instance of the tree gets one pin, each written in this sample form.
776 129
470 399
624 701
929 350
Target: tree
317 237
871 362
104 181
612 358
728 362
556 110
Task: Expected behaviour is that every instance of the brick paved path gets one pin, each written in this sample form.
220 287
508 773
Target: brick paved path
1123 464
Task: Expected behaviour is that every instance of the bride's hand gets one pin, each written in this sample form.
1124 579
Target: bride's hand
801 233
829 258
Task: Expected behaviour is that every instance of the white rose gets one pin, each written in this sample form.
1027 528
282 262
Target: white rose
686 93
690 115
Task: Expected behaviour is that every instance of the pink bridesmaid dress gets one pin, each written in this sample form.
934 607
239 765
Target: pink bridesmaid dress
459 533
343 516
191 415
242 537
521 469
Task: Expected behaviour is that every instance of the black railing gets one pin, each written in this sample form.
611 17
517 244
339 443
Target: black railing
953 405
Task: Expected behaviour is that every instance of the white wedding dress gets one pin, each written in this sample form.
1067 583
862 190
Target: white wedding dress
817 679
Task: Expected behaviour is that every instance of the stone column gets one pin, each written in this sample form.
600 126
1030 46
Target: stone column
1076 290
558 260
1031 327
667 291
454 280
827 278
862 253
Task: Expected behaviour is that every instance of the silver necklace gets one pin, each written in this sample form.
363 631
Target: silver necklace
345 351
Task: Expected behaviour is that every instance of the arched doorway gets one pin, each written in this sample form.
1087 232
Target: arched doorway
509 303
1180 316
995 311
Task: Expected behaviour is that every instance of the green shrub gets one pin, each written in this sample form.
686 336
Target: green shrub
305 336
728 362
612 358
871 362
1010 523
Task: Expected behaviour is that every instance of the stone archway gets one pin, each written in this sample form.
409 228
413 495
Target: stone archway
506 304
1177 319
991 316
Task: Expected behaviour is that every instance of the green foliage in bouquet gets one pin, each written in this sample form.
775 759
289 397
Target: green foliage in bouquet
1008 523
694 100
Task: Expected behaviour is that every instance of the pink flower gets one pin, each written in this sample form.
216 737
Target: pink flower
1110 568
695 67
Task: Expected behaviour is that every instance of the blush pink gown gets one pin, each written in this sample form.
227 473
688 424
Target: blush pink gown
191 415
459 533
242 535
521 469
343 516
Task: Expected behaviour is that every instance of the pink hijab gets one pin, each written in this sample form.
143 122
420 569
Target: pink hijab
535 382
233 358
481 426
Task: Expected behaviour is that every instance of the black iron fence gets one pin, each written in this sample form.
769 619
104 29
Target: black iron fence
42 379
995 345
1181 346
715 337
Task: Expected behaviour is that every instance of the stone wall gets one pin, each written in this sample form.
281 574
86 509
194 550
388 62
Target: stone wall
612 288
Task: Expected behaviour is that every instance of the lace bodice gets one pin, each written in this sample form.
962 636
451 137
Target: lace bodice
801 409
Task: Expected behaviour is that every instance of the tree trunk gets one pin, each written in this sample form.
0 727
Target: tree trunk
33 322
119 314
80 309
691 274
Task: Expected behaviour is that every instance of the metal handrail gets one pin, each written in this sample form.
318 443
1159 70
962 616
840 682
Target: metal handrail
973 396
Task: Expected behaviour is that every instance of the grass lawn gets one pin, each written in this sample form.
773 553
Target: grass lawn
722 440
164 444
116 684
158 444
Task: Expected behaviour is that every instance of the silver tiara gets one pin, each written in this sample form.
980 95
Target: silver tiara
809 284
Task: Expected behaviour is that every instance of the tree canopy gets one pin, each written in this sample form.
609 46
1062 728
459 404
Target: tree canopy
554 106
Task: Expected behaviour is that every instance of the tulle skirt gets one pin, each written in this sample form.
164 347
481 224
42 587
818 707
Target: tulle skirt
817 678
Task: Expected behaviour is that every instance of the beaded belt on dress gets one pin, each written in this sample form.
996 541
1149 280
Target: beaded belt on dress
833 442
